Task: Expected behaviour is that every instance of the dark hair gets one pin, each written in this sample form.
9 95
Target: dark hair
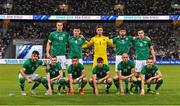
99 26
75 57
53 56
35 52
99 59
122 28
140 29
76 27
149 58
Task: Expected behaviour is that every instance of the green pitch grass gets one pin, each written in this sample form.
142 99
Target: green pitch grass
9 83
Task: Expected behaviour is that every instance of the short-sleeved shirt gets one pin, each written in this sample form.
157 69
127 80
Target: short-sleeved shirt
58 41
30 67
142 47
76 71
54 70
126 68
149 72
75 46
101 72
123 44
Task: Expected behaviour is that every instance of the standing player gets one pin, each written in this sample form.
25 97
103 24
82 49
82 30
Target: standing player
101 75
123 43
143 49
100 43
75 46
57 42
76 75
27 73
125 74
150 74
54 75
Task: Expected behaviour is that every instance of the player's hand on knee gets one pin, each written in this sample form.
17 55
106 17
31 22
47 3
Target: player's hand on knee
29 80
149 80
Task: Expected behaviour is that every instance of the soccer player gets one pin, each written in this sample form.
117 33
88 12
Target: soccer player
54 75
27 73
150 74
75 46
101 75
100 43
123 42
143 49
125 72
57 42
76 75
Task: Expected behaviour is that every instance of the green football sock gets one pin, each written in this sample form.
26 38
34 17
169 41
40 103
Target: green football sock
22 83
116 83
159 83
36 84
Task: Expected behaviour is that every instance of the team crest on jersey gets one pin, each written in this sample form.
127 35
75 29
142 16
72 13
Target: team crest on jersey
60 38
141 44
76 41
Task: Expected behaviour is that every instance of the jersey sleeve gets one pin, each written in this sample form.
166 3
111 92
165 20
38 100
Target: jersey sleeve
119 67
69 70
50 37
156 68
107 68
94 70
81 67
82 41
47 70
143 71
87 44
114 40
40 62
110 42
25 64
59 66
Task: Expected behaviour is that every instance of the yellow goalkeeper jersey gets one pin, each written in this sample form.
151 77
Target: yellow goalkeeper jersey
100 47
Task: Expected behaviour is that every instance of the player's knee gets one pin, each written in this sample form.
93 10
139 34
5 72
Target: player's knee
43 80
115 78
109 80
85 80
22 80
62 81
160 81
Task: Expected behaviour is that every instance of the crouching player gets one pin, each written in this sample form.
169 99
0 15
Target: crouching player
125 74
27 73
101 75
76 75
150 74
54 76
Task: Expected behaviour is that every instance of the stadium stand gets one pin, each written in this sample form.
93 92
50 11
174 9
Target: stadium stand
89 7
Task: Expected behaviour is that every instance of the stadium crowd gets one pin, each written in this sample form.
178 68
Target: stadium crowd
163 37
88 7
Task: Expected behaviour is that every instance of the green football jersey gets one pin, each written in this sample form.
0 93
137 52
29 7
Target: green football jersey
142 47
101 72
30 67
58 42
126 68
123 44
75 71
149 72
54 70
75 48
